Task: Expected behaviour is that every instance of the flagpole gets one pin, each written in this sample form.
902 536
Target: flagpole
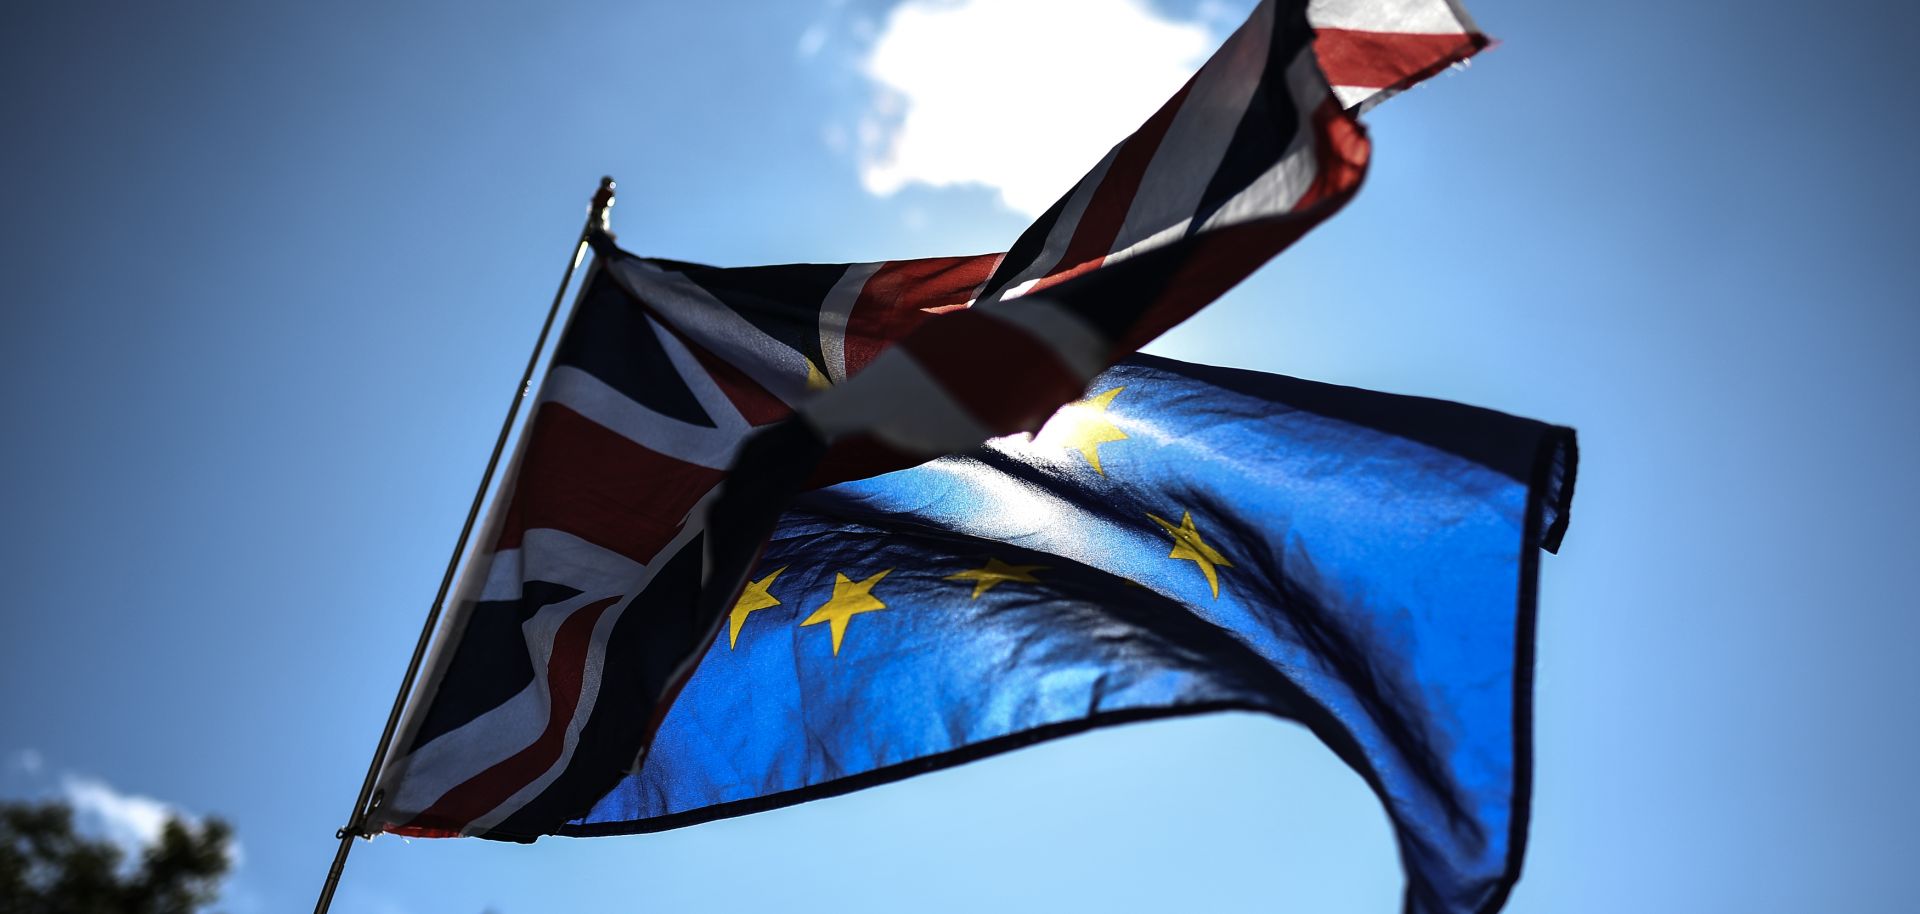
356 823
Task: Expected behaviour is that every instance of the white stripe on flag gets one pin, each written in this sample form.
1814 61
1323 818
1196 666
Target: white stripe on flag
834 314
1196 141
1426 17
1354 95
1060 236
696 444
427 774
589 696
556 557
900 403
416 781
1287 180
706 320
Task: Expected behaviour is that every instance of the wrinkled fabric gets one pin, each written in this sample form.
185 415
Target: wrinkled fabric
1373 568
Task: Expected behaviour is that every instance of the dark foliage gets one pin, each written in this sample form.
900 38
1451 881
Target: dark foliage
46 867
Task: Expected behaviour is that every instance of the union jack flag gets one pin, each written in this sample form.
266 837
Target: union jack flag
615 546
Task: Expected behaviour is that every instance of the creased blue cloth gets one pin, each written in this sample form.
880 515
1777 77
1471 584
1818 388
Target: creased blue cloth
1186 539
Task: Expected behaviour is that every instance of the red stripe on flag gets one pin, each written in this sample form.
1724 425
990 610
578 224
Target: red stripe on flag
1340 152
582 478
1100 224
902 294
1221 258
566 671
1381 60
756 404
998 372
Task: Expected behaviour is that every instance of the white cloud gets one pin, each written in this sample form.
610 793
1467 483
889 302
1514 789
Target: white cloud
28 762
131 821
1022 96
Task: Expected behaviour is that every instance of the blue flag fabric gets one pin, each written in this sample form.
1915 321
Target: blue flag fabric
1185 539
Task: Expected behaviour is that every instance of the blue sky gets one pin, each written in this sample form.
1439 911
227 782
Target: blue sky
269 273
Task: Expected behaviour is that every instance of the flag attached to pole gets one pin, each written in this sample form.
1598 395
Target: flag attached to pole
618 555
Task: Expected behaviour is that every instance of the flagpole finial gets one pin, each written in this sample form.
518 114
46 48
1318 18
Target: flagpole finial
602 202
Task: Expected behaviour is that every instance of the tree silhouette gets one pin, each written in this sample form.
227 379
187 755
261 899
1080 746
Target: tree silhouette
46 867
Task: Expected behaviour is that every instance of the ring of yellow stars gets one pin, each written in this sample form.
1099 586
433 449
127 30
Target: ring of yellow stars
1083 426
1188 545
753 598
996 572
850 598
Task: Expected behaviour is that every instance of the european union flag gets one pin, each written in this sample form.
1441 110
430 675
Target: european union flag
1185 539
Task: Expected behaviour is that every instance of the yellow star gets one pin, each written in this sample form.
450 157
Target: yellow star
850 598
997 572
1188 545
1083 426
754 597
816 379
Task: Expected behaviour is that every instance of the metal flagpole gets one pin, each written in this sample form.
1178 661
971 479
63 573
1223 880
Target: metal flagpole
596 218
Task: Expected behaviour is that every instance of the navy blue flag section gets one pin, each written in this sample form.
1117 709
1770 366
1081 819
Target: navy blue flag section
1184 539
